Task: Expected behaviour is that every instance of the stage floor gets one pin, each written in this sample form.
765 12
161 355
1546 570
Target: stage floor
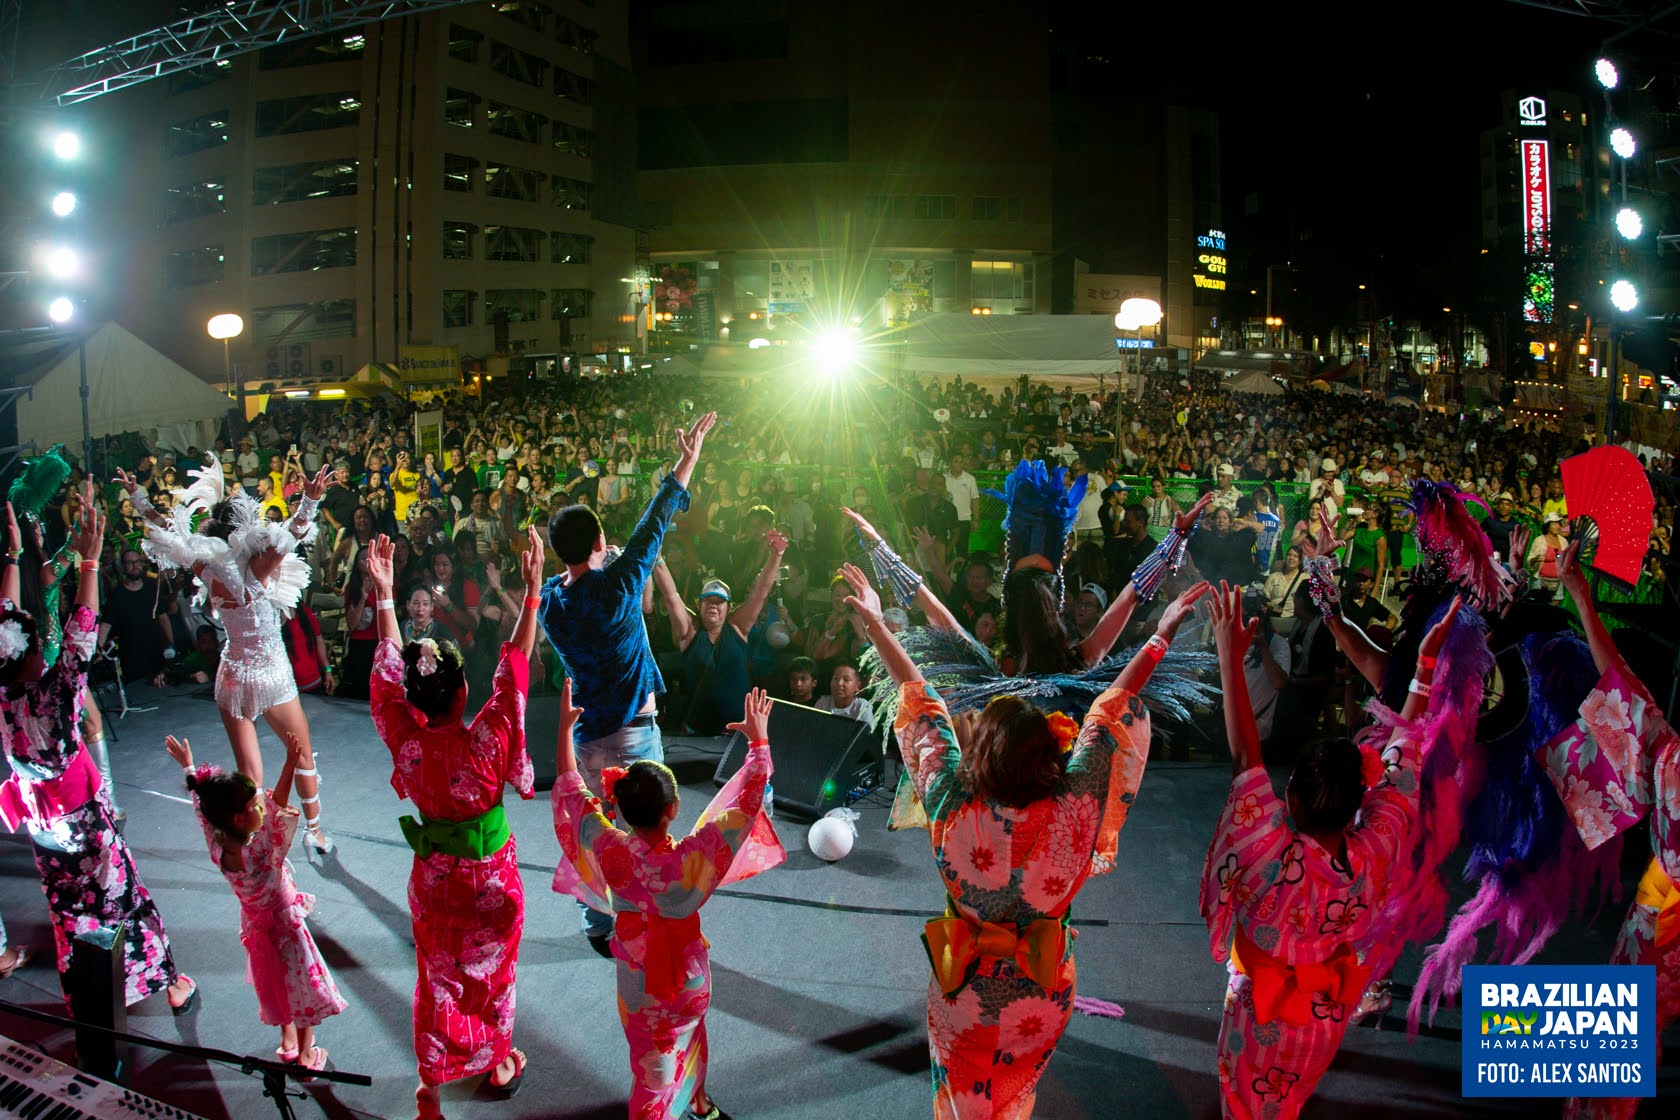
819 974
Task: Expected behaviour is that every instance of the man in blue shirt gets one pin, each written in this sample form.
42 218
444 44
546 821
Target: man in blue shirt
592 613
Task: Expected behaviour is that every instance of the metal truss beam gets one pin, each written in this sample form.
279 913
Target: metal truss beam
1631 16
238 27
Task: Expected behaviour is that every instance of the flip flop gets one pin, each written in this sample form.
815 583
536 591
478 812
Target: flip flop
190 1004
21 955
509 1088
319 1065
287 1056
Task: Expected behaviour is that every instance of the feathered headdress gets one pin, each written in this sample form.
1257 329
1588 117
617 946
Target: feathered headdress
39 481
1041 510
1455 553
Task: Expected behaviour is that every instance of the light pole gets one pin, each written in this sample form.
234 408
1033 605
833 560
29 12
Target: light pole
228 327
1134 315
1271 268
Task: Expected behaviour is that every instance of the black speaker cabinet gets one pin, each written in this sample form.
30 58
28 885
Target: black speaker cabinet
819 758
95 987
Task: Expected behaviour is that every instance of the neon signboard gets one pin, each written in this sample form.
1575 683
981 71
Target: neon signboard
1211 265
1537 199
1538 292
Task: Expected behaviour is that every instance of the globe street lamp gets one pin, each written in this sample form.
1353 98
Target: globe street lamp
226 327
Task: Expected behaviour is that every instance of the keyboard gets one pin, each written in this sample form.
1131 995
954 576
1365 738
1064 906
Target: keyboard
35 1087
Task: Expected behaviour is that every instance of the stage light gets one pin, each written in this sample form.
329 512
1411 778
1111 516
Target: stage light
1621 142
67 145
835 351
61 309
1624 296
63 204
60 262
1606 71
758 344
1629 224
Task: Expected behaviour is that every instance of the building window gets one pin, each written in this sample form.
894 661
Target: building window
185 81
459 172
512 243
894 207
458 107
571 139
303 251
569 303
569 194
569 248
935 207
298 182
531 14
186 268
515 123
186 137
311 113
463 43
309 52
194 200
504 180
458 307
579 38
987 209
519 65
458 241
570 87
303 322
1001 281
518 305
1012 209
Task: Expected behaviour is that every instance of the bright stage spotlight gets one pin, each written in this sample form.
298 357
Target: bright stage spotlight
1629 224
1621 142
1624 295
1606 71
758 344
63 204
67 145
60 262
61 309
835 351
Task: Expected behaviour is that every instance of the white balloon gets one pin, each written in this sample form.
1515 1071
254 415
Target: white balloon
830 838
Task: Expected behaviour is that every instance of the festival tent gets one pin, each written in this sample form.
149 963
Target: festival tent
1263 384
1040 346
131 388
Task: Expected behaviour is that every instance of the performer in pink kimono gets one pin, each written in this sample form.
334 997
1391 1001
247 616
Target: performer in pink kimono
249 832
467 900
1291 887
1618 762
655 886
1016 823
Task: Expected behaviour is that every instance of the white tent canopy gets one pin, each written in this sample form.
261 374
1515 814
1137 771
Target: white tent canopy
1254 382
974 346
131 387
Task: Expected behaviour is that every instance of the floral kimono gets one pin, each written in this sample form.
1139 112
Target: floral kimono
86 869
1287 917
664 970
1616 763
1003 970
281 960
468 913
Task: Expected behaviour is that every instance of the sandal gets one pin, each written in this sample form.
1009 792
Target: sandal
190 1004
314 840
20 954
712 1113
1373 1005
319 1062
285 1055
508 1089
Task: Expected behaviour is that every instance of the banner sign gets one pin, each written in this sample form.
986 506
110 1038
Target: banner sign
1560 1030
1537 199
421 364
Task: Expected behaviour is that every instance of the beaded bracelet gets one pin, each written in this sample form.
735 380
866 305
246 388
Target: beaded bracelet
1165 560
891 571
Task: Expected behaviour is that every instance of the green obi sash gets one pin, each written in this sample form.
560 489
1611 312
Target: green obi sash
479 838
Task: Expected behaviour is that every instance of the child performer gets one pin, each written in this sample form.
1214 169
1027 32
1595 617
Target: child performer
656 887
1019 811
467 899
1619 761
1291 886
249 832
86 870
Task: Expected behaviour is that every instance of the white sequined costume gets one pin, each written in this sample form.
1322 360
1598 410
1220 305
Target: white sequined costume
255 673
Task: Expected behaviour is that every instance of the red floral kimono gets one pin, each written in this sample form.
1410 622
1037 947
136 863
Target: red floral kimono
664 970
468 914
1003 970
1619 761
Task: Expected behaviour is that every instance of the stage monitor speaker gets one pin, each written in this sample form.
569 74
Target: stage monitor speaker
95 985
819 758
542 737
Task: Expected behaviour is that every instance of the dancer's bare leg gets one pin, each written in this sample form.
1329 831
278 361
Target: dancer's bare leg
289 722
247 755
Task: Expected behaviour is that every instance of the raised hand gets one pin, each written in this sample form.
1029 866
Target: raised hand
1186 521
1231 636
180 750
1324 543
778 543
1521 537
864 599
531 563
379 562
1571 574
317 486
569 715
1437 636
862 523
126 481
755 722
14 536
1182 607
90 525
690 441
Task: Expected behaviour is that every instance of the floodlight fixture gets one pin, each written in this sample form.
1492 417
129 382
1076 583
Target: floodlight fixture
1621 142
1136 314
66 145
61 262
63 204
225 326
1606 72
835 350
1624 296
1629 224
61 310
758 344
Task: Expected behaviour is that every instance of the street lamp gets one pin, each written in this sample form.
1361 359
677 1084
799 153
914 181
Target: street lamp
226 327
1621 142
1624 296
1629 224
1606 72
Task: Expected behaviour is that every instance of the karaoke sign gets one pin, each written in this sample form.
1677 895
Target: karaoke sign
1560 1031
1537 199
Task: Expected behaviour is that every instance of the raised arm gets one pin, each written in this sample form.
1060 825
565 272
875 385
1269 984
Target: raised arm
10 581
1138 670
867 603
932 554
909 588
142 502
1232 637
1370 659
1605 655
745 616
683 627
531 569
90 539
688 447
566 750
1417 694
283 784
313 490
379 577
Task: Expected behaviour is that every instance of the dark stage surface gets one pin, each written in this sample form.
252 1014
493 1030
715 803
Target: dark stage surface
819 974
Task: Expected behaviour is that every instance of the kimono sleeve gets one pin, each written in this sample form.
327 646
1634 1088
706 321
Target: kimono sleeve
1251 836
1603 763
503 715
388 703
929 746
1389 814
278 831
586 836
81 637
743 840
1106 767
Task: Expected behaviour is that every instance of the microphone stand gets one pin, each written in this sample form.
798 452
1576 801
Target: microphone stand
273 1074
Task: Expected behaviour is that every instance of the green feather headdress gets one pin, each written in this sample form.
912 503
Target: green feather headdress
40 480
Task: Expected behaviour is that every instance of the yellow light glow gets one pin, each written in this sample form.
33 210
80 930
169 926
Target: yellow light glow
225 326
329 394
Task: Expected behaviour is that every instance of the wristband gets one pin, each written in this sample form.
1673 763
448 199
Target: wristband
385 605
1426 662
11 561
1155 648
532 602
751 743
1418 688
90 565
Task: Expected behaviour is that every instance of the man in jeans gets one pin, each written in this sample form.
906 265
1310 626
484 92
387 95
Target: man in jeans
592 612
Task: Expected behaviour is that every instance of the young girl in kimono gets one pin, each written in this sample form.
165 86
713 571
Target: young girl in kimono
655 886
1292 885
249 832
1020 814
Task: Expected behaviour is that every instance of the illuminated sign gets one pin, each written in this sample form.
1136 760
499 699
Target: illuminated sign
1212 239
1210 260
1532 111
1134 343
1537 199
1538 292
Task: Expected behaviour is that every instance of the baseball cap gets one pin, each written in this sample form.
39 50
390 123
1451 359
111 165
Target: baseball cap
715 589
1505 496
1327 464
1096 592
1226 468
1554 516
1364 573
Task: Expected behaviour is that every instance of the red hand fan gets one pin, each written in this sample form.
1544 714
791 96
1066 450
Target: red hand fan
1608 486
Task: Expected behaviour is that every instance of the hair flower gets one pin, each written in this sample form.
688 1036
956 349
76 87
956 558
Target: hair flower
14 642
1372 766
428 661
1065 728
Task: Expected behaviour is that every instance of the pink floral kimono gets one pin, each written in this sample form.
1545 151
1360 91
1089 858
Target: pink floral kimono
1286 917
1002 957
664 970
1616 763
281 960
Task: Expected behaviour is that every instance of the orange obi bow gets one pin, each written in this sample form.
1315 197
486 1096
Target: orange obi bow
1658 891
1286 991
954 945
667 939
